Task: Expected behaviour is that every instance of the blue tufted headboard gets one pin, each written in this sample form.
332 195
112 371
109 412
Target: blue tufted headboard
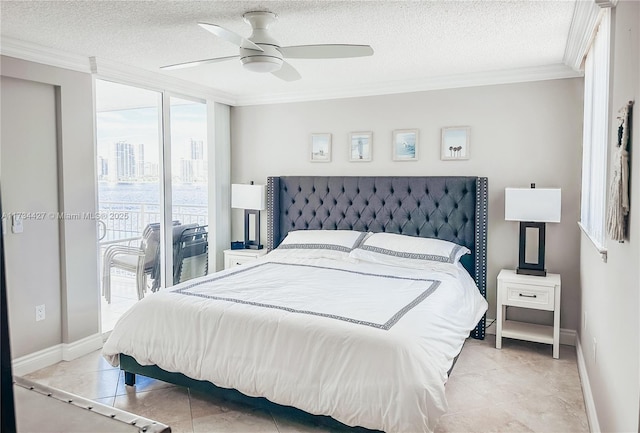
453 208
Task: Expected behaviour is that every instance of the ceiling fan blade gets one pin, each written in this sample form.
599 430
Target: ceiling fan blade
197 63
287 72
230 36
326 51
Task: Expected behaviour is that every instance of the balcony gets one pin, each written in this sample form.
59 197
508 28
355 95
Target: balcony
123 223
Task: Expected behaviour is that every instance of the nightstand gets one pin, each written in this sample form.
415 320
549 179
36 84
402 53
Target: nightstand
238 257
526 291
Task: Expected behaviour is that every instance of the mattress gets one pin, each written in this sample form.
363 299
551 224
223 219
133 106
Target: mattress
367 344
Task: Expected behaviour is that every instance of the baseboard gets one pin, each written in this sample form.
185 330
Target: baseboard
589 404
54 354
35 361
81 347
568 337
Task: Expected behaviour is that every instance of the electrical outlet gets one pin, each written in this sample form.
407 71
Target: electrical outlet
595 343
40 312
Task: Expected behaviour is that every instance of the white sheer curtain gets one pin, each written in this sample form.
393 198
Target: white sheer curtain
596 133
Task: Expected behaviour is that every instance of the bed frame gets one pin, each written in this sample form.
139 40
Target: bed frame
453 208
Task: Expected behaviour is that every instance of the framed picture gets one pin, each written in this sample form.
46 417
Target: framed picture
405 145
360 146
455 143
320 147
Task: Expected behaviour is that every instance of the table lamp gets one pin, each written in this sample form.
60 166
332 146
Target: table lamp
251 198
533 207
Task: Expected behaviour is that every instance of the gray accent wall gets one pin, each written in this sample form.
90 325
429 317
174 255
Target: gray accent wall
610 295
520 133
68 271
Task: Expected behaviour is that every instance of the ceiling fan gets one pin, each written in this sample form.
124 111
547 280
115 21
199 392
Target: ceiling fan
262 53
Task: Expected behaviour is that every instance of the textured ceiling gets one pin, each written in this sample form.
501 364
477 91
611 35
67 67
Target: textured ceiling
413 40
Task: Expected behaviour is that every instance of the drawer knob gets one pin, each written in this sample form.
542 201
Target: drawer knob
527 296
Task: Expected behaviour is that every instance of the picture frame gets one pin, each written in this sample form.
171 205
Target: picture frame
360 146
455 143
405 145
320 148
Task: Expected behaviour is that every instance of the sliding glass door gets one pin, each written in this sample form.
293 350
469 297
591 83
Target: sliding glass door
189 187
151 171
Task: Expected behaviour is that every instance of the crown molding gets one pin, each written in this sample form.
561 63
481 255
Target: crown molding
37 53
586 16
109 69
520 75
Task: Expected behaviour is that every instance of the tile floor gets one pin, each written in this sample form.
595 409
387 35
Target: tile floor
517 389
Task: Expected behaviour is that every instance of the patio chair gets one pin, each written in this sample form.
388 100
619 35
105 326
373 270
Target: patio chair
192 256
143 261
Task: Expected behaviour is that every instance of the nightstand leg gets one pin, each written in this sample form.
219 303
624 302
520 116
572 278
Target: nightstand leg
556 340
500 314
556 324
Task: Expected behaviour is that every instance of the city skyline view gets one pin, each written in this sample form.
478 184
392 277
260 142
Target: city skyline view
128 139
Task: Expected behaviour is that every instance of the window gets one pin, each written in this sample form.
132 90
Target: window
596 135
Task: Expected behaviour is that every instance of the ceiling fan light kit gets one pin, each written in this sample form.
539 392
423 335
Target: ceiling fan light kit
269 59
262 53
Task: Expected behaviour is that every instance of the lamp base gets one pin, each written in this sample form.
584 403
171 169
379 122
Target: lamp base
535 272
252 244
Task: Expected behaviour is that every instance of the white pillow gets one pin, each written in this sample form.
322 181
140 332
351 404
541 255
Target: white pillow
407 251
311 244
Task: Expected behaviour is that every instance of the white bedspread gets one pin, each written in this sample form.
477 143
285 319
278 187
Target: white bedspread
369 345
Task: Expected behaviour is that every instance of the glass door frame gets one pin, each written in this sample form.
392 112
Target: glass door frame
166 186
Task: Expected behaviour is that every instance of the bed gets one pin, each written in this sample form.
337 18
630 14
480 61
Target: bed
272 329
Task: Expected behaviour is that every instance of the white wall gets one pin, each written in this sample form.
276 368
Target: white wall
520 133
79 298
29 184
611 291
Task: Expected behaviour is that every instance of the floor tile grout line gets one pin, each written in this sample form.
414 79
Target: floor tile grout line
193 428
274 421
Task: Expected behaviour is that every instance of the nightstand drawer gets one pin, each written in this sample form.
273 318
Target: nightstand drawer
233 260
529 296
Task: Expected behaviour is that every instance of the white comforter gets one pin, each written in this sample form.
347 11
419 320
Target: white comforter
367 344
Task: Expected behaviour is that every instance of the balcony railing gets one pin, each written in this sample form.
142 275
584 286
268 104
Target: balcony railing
124 222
